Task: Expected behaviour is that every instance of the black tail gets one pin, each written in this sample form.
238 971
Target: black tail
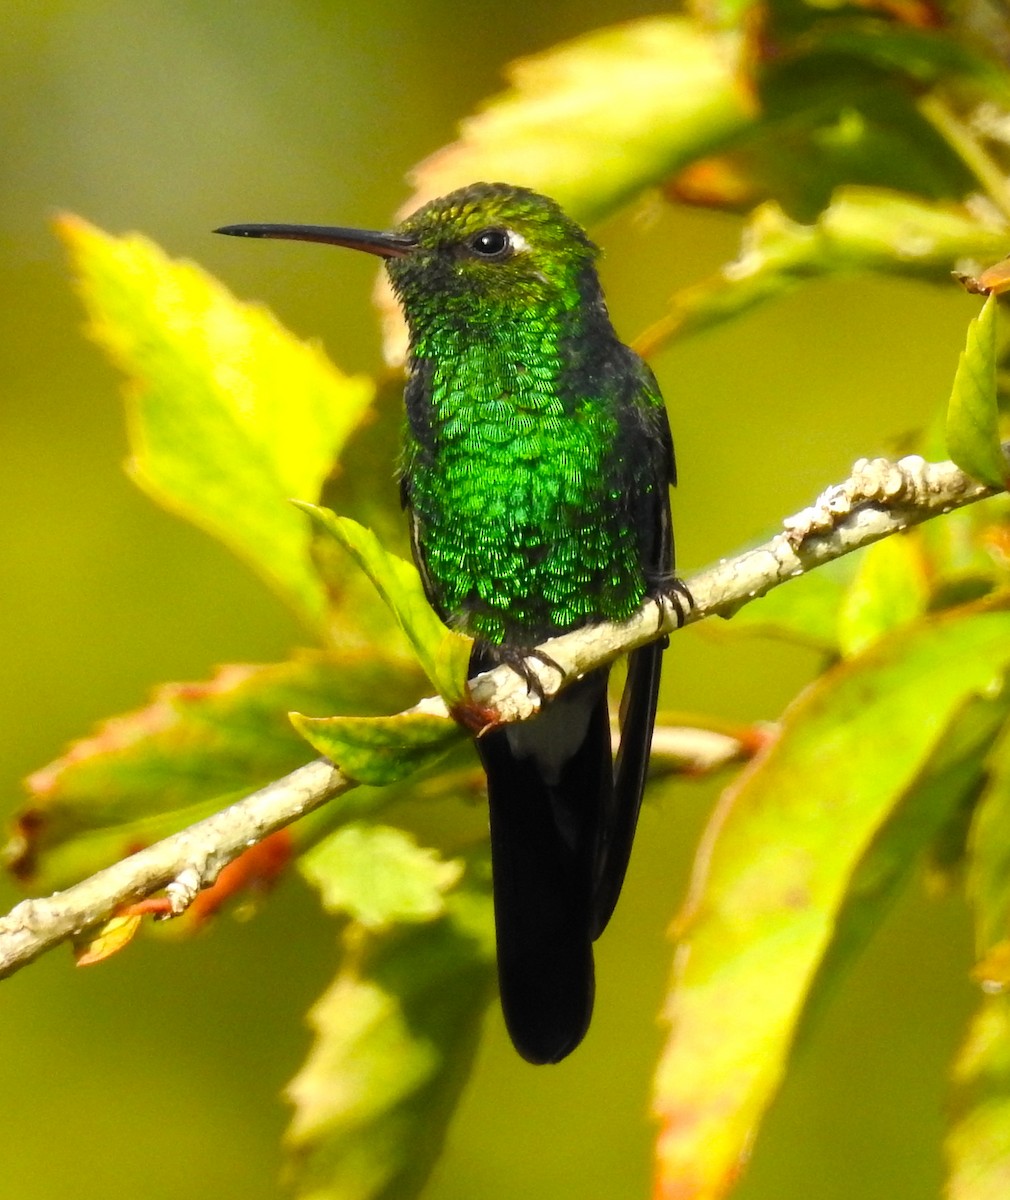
549 785
561 836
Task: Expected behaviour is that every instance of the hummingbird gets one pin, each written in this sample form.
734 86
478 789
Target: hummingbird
535 472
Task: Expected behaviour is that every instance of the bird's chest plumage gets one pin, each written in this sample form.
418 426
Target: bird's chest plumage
518 492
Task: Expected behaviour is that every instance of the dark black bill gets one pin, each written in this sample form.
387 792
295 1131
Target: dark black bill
373 241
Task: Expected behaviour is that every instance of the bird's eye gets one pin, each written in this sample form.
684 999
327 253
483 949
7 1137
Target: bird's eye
491 243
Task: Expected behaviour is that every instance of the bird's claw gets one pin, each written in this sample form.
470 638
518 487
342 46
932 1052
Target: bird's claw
519 660
677 594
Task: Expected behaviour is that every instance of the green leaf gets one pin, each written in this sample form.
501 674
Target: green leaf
790 841
972 417
863 229
381 750
978 1145
444 655
379 876
395 1035
229 416
890 589
927 56
873 228
965 552
988 877
195 746
725 14
827 124
594 121
931 805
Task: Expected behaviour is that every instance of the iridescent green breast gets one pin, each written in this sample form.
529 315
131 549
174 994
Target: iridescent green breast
518 492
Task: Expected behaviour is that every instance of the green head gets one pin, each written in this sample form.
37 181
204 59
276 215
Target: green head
490 251
486 253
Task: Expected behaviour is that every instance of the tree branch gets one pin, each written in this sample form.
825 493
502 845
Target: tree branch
878 499
181 864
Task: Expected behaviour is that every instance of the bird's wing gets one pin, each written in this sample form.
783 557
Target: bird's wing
648 447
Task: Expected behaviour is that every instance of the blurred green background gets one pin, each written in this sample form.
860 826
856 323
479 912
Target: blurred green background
158 1073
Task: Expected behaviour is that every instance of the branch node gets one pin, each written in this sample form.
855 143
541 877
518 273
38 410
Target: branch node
183 889
910 482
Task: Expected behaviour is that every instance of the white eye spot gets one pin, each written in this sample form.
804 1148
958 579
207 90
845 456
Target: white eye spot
519 243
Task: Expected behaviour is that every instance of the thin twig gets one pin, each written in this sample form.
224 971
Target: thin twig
182 864
879 498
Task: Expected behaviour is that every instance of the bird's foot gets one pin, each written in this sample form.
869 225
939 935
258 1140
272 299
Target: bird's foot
486 657
679 595
518 659
676 593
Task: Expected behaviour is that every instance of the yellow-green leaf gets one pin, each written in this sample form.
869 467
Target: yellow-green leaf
229 415
444 655
791 838
978 1145
989 853
973 440
862 229
380 750
593 121
194 747
890 589
925 814
379 876
109 939
395 1035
